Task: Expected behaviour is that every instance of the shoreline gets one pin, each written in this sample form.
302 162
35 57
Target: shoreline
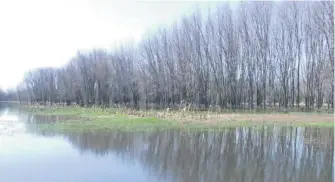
107 119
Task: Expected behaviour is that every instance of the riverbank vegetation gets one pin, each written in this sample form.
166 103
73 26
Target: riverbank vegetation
101 119
259 56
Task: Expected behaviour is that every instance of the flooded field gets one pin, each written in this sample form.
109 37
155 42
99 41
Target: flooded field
241 154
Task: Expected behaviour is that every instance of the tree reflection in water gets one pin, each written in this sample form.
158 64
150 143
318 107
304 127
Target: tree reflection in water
271 154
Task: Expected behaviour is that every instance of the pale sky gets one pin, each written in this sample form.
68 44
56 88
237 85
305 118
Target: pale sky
37 33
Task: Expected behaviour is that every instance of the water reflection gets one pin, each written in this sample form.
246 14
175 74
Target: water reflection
9 123
235 154
269 154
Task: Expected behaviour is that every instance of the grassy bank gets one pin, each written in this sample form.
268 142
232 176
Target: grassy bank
98 119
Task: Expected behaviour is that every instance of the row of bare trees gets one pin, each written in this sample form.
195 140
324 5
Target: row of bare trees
2 94
9 95
257 55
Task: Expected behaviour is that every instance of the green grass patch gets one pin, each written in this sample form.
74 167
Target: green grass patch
117 122
126 123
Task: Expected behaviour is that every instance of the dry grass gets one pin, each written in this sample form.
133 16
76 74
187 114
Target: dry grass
286 118
217 118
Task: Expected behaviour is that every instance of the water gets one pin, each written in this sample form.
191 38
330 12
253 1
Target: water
271 154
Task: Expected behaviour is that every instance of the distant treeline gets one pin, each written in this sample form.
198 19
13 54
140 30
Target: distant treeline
258 55
10 95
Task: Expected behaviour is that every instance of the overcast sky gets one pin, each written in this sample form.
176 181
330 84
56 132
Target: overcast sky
36 33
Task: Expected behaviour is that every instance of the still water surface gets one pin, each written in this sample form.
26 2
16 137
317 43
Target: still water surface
269 154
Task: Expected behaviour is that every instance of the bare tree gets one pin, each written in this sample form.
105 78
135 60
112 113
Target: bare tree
261 53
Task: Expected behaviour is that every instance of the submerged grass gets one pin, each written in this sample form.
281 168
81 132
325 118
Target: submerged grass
60 111
124 119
